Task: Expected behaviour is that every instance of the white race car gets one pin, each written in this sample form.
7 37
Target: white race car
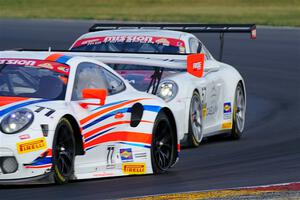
64 118
208 97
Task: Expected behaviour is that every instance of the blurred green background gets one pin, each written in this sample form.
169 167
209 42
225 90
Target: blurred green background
263 12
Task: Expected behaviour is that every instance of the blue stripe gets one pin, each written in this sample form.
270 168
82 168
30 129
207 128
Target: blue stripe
63 59
136 145
42 161
123 110
109 104
98 134
152 108
7 110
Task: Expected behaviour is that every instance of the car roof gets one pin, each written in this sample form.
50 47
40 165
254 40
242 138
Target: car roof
148 32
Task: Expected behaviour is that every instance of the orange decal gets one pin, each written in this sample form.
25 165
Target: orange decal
119 115
121 136
92 116
195 64
54 57
8 100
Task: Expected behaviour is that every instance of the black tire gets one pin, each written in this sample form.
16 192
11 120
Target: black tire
63 152
163 148
192 140
237 130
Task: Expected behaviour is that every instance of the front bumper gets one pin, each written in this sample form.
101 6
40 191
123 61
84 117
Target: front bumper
27 153
40 179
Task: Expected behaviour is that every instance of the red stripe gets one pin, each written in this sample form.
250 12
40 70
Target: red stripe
92 116
92 132
38 167
121 136
8 100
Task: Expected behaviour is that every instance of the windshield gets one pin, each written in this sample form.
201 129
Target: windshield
130 44
33 78
140 76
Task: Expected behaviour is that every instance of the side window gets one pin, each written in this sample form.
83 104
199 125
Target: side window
195 45
115 84
88 75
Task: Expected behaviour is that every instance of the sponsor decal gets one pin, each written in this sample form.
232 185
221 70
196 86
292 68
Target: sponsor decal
126 155
104 174
204 111
63 69
31 145
134 168
110 163
131 39
128 38
17 62
163 41
46 65
227 125
24 137
227 107
140 155
181 49
227 111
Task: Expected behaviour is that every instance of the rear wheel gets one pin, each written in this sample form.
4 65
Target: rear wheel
164 143
195 134
63 152
239 111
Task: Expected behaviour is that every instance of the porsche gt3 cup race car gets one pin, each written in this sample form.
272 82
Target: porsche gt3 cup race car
208 97
64 118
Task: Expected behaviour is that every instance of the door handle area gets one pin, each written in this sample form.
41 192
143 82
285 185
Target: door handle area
119 115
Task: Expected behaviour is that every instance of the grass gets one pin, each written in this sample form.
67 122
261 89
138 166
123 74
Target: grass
263 12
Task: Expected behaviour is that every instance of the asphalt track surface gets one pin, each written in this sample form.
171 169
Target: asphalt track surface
268 153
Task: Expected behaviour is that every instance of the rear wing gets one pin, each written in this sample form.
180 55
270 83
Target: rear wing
189 28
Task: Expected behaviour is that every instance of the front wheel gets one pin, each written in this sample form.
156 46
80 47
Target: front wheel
164 143
239 112
195 134
63 152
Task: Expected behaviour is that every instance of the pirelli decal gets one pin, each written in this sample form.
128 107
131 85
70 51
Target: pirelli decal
134 168
31 145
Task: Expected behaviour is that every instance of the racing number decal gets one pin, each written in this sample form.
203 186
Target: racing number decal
41 108
109 158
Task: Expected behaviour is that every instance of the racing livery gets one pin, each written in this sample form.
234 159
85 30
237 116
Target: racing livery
65 117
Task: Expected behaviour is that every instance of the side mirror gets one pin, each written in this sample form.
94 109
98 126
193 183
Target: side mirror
91 93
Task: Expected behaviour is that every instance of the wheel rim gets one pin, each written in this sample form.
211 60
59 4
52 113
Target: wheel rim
64 151
163 145
196 118
240 109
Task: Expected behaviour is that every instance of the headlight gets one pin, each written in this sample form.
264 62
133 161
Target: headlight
167 90
17 121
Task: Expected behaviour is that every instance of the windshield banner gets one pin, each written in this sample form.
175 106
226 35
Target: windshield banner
130 39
